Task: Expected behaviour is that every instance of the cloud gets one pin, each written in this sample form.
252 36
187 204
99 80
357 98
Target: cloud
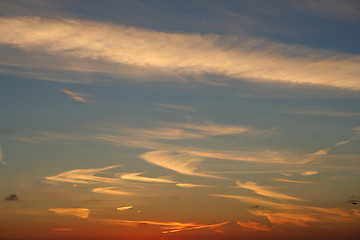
169 227
62 229
290 181
136 177
176 107
2 157
80 97
325 113
339 9
78 212
263 191
242 58
124 208
111 191
85 176
254 225
12 197
178 162
309 173
190 185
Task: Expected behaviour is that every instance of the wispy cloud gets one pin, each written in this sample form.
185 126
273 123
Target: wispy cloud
191 185
254 225
323 112
80 97
111 191
245 58
263 191
2 157
85 176
136 177
290 181
340 9
178 162
169 227
78 212
176 107
124 208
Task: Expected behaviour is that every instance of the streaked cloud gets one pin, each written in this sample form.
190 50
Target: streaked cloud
254 225
178 162
290 181
245 58
309 173
77 212
124 208
191 185
169 227
136 177
111 191
263 191
80 97
85 176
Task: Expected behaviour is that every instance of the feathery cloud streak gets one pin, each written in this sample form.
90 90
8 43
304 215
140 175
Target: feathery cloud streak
254 225
111 191
247 58
83 176
136 177
263 191
124 208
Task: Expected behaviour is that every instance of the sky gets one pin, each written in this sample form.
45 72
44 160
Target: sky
172 120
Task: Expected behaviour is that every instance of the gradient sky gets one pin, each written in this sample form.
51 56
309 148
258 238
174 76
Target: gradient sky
172 120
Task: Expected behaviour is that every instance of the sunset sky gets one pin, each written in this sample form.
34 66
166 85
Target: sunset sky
174 120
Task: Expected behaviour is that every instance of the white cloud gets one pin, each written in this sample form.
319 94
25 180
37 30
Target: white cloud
78 212
246 58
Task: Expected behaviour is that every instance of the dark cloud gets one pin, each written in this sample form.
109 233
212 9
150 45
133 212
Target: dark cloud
12 197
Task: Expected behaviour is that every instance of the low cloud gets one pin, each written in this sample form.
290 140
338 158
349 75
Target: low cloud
111 191
12 197
263 191
77 212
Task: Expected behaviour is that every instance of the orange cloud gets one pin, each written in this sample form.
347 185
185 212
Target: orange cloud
190 185
290 181
78 212
169 227
124 208
254 225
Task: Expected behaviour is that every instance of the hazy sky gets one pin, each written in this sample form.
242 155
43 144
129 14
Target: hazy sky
172 120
